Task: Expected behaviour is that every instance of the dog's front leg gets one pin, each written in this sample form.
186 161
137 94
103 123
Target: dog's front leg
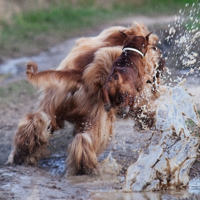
125 105
82 157
106 100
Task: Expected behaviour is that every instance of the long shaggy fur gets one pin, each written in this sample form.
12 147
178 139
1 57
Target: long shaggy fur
127 76
90 141
31 139
82 156
73 92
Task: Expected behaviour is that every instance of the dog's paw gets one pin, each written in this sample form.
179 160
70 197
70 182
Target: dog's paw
107 107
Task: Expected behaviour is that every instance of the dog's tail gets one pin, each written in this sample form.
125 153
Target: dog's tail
69 80
31 68
81 155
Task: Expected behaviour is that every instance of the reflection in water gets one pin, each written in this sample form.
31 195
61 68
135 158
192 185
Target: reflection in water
56 166
194 186
119 195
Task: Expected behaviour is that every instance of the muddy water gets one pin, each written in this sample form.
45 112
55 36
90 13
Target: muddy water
55 165
127 144
120 195
104 187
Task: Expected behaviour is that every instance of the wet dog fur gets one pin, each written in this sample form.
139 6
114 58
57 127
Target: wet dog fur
127 76
64 96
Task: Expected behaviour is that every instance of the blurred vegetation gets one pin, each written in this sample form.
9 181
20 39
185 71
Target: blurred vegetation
27 27
14 92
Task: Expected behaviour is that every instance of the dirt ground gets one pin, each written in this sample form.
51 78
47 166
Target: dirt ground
47 180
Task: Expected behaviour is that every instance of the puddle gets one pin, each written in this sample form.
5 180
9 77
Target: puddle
194 186
119 195
102 187
55 165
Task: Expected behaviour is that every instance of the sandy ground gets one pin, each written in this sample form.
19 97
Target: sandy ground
47 180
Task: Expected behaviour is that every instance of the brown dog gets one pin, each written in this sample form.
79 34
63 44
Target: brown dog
73 93
127 76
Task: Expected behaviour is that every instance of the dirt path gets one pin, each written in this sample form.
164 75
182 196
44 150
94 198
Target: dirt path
47 181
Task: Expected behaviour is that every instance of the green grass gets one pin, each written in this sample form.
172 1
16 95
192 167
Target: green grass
31 32
35 31
13 92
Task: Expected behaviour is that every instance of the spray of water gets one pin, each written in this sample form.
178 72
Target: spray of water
183 39
167 164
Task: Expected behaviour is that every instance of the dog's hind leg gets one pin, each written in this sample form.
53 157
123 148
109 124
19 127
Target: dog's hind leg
81 158
31 139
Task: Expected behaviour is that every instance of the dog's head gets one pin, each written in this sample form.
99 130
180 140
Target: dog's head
119 90
138 42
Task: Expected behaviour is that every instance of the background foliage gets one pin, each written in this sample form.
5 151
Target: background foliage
27 27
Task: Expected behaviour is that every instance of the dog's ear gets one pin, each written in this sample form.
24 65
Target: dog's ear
124 34
147 37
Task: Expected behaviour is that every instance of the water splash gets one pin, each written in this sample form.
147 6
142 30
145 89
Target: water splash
181 44
167 164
